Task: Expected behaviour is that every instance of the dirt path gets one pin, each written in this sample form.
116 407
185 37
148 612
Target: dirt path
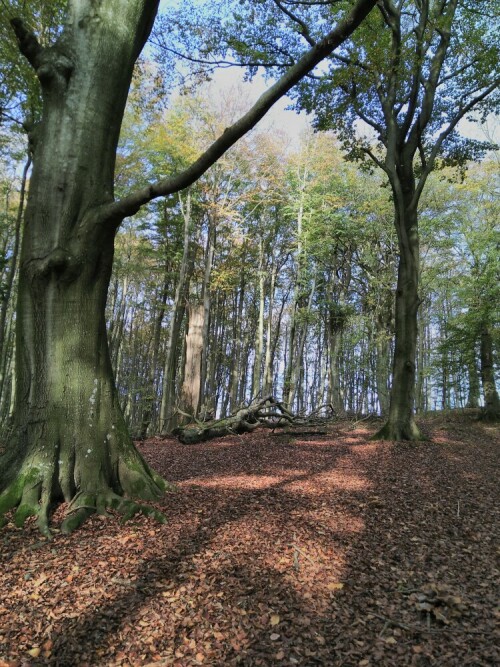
278 550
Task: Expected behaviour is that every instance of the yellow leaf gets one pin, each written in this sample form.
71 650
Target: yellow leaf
38 582
335 586
275 619
391 640
35 652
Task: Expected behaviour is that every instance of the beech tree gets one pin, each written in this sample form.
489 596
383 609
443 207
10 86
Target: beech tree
411 74
70 441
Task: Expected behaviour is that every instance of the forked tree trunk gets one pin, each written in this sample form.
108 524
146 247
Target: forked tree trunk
71 442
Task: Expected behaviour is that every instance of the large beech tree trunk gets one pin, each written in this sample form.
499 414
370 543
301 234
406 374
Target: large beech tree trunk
70 439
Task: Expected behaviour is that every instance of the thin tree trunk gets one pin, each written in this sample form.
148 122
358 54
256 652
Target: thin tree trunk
191 386
259 344
7 288
237 348
297 360
168 417
206 398
151 396
268 361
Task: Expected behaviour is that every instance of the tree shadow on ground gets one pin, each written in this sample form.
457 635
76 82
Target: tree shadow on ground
315 564
252 588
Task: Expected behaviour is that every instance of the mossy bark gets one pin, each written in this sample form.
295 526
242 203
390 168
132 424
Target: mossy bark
70 442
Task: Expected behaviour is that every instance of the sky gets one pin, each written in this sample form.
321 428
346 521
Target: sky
288 121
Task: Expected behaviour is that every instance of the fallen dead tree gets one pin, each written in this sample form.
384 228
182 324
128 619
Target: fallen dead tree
265 412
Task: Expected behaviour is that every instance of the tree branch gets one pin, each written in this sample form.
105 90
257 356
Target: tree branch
375 159
438 143
219 63
423 8
28 43
304 30
431 84
129 205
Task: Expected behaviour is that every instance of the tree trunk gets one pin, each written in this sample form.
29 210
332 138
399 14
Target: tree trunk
151 389
237 347
269 358
259 343
9 282
168 415
190 392
206 398
400 423
70 441
491 399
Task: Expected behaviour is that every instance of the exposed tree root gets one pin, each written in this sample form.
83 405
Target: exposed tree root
86 504
36 490
407 430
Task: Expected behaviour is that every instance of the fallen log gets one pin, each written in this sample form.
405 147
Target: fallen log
265 412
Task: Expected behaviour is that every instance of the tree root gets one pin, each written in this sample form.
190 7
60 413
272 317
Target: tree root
87 505
397 432
30 494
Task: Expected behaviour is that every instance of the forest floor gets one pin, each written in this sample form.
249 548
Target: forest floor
301 549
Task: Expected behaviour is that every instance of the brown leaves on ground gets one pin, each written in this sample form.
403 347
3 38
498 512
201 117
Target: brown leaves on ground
278 550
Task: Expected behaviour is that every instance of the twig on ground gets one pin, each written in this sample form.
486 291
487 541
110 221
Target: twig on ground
302 553
432 631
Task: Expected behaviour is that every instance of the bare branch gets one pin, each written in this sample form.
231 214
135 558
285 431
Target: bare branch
219 63
438 143
304 30
117 211
28 43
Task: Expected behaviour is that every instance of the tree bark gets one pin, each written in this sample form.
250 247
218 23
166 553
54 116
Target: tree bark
491 399
151 389
70 440
259 342
168 415
400 423
206 397
474 391
246 419
191 387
